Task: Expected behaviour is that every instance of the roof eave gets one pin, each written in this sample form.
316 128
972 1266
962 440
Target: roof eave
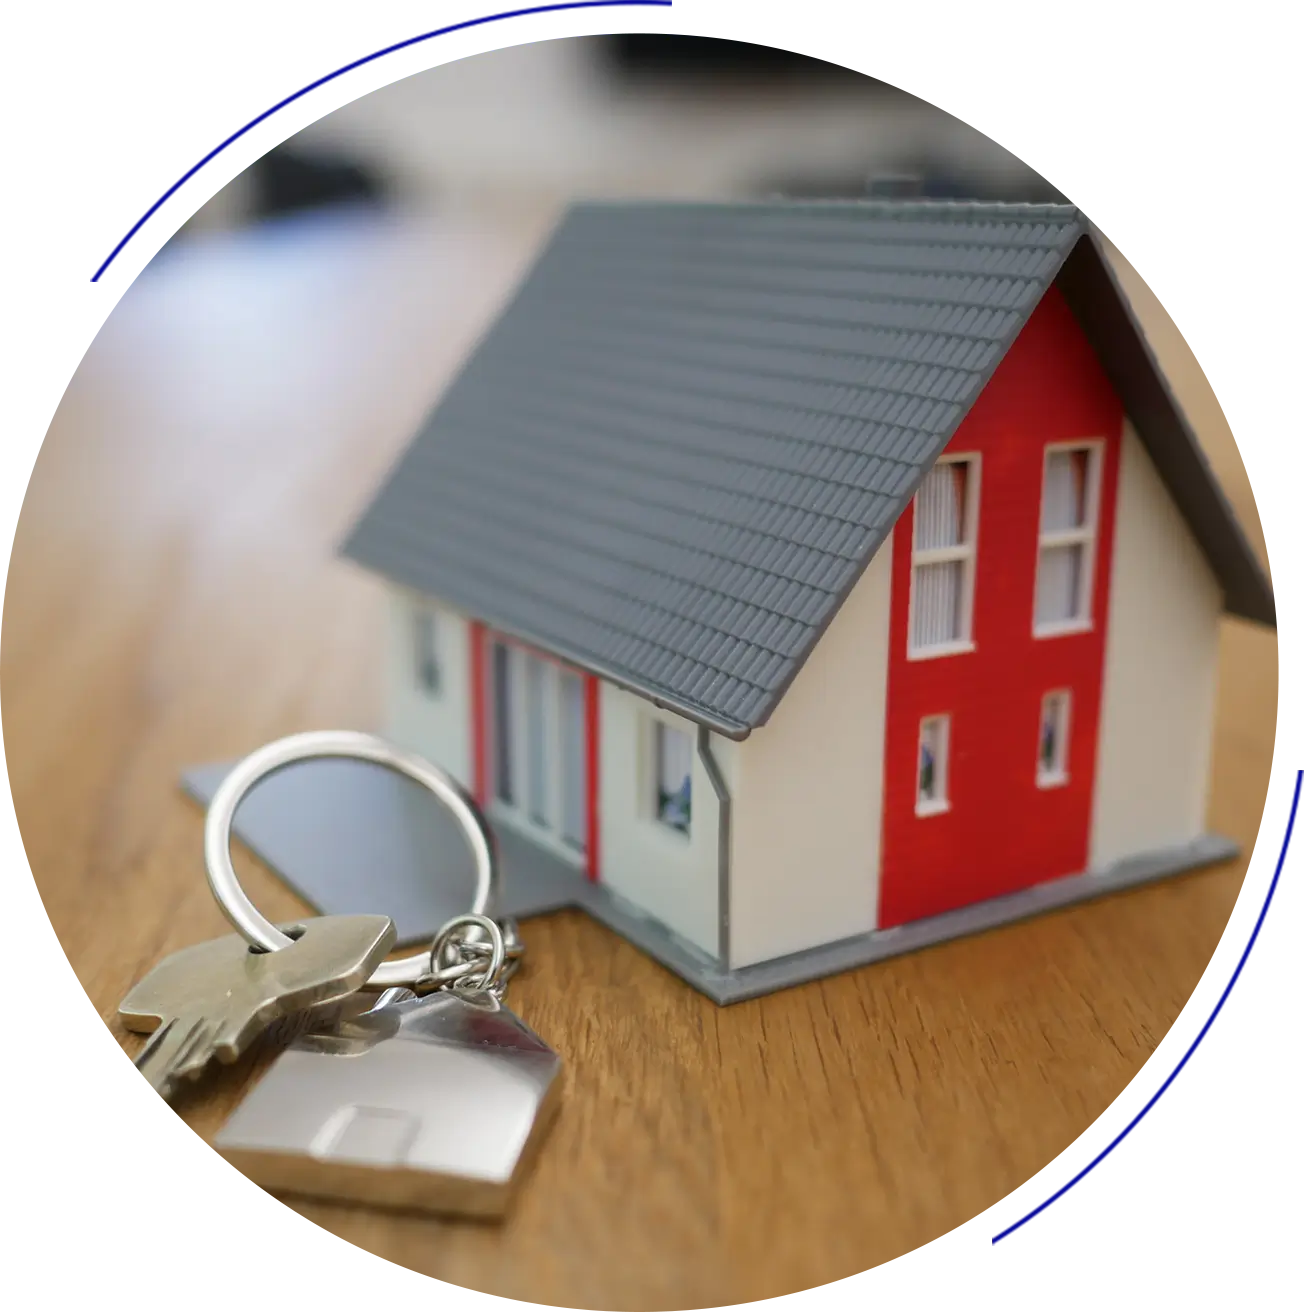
1101 306
733 729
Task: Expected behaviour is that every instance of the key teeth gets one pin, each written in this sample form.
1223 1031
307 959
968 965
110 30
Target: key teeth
187 1059
195 1054
157 1037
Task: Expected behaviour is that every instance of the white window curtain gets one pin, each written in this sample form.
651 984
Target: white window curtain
939 507
939 601
941 512
1064 500
1066 536
1059 584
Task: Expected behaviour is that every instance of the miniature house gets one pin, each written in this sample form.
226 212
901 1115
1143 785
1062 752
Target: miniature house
816 580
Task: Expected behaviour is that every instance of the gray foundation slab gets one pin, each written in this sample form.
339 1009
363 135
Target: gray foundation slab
352 837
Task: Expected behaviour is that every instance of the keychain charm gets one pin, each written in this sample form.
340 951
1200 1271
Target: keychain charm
432 1102
433 1095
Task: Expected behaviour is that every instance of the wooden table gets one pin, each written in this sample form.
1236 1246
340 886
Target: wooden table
173 598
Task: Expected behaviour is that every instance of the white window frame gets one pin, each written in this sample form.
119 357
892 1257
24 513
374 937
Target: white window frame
651 783
1086 537
1058 774
521 811
424 628
941 768
966 552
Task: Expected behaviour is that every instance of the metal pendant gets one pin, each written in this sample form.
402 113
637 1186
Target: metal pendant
435 1103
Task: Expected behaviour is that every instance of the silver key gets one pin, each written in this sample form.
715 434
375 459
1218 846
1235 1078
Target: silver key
214 999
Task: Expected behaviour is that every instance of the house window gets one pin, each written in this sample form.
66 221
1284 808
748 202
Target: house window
540 767
931 795
425 651
674 777
942 559
1067 542
1053 741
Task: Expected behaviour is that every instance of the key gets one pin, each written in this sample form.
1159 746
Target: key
214 999
436 1103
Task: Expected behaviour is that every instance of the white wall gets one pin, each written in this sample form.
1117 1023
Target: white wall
438 726
672 876
808 791
1161 674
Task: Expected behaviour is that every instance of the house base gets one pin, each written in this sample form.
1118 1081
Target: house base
351 837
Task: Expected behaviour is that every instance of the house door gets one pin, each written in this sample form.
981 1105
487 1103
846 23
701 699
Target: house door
538 747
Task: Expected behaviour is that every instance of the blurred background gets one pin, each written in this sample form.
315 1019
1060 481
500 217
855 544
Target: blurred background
630 115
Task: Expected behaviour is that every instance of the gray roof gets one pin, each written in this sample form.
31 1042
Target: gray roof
686 436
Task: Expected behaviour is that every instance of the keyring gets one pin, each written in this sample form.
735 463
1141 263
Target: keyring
443 968
347 744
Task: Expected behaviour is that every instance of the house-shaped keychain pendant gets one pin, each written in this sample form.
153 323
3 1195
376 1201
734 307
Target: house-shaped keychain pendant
435 1103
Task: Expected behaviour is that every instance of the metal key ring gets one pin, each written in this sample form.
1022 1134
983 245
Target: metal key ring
482 977
347 744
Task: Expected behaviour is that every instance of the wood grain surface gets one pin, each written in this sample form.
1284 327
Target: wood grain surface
173 598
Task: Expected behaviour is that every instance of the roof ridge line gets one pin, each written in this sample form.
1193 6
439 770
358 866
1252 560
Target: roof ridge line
850 204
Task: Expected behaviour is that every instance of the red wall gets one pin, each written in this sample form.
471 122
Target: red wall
1002 832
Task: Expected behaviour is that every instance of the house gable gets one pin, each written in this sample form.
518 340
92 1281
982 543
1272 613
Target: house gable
1092 291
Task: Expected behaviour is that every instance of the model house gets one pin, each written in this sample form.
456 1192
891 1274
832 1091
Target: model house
816 580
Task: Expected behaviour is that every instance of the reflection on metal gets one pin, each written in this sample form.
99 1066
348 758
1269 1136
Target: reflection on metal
434 1103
